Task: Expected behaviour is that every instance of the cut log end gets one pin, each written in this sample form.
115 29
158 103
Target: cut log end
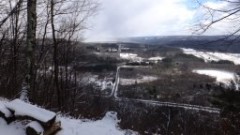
53 129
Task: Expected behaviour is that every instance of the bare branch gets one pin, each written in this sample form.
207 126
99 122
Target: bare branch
14 10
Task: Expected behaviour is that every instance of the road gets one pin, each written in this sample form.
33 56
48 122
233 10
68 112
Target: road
114 95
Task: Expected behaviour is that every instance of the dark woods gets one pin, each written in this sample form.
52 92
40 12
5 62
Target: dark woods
39 41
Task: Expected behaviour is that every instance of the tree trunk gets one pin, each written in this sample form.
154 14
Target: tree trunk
15 45
31 42
55 57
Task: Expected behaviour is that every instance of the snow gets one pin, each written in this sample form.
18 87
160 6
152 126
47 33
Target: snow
158 58
135 58
24 94
213 56
4 110
224 77
36 126
15 128
143 79
108 125
104 84
130 56
21 108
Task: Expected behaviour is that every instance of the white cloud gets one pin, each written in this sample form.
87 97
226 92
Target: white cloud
161 18
123 18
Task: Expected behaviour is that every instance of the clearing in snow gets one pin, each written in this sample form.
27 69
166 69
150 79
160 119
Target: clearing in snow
213 56
224 77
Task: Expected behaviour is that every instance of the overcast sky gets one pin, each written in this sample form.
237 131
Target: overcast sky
124 18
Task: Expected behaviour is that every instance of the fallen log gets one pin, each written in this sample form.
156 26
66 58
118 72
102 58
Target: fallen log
35 128
23 110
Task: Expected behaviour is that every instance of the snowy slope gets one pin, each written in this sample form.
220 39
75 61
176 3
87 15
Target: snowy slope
224 77
16 128
108 125
213 56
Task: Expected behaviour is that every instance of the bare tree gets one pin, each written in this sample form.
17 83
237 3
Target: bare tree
13 11
58 25
229 13
31 43
15 26
55 55
212 16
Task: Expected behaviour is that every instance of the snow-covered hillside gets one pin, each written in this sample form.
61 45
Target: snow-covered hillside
213 56
224 77
108 125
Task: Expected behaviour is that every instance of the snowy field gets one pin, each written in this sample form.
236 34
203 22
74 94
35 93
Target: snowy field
135 58
158 58
90 79
224 77
213 56
131 56
143 79
108 125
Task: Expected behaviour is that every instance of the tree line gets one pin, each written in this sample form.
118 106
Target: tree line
38 39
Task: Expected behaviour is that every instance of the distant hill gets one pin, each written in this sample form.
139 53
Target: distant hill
209 43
